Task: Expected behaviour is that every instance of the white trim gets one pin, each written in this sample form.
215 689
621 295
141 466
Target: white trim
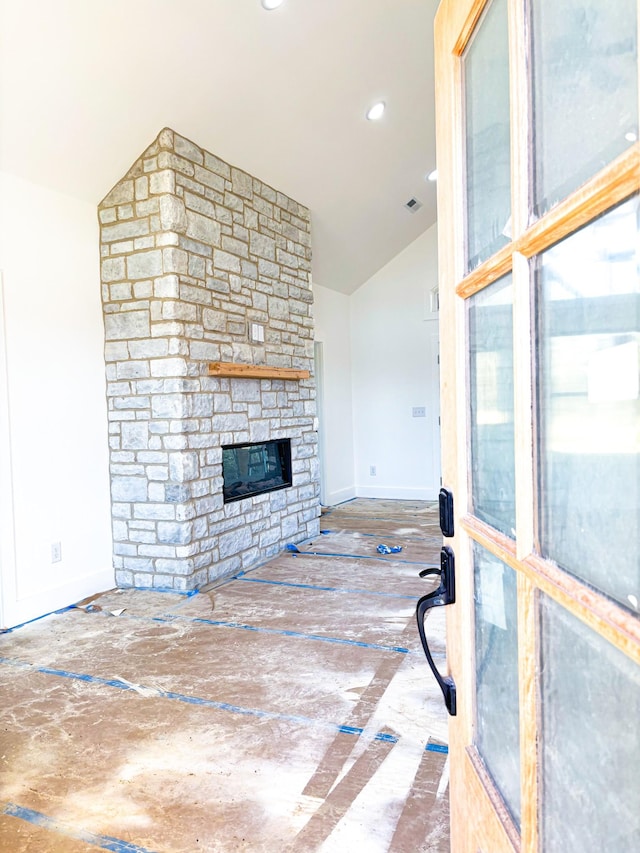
7 531
427 493
318 366
339 497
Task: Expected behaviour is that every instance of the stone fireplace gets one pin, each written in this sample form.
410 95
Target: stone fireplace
205 273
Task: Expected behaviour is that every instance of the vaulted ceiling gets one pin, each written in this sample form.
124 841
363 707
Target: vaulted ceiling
87 84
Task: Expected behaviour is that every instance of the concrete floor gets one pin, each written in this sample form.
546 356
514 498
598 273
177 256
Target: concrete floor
290 708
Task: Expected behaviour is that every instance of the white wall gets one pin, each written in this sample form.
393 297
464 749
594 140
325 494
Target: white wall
332 330
54 466
394 337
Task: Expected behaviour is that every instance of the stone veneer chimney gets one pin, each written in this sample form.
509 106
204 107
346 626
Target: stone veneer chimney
193 250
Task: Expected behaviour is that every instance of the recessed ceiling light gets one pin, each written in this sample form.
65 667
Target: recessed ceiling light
375 112
271 4
631 136
432 176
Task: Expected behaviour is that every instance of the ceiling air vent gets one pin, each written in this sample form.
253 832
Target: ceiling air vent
413 204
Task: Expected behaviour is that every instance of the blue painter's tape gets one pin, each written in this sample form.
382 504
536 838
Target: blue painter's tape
402 538
104 842
346 590
386 737
185 592
298 553
154 693
436 747
282 633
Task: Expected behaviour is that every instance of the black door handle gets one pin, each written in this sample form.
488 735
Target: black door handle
445 594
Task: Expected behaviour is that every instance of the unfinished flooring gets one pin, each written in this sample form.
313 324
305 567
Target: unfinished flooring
290 708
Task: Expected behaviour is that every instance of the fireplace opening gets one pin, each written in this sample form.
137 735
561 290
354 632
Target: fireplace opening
252 469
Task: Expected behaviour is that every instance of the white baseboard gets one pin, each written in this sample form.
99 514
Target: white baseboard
339 497
428 493
39 604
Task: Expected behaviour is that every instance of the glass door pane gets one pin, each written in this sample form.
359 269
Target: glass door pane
590 745
585 91
491 412
589 403
497 705
488 151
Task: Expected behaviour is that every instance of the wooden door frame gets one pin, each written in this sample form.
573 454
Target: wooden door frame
484 821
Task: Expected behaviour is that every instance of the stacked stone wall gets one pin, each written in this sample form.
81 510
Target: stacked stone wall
193 251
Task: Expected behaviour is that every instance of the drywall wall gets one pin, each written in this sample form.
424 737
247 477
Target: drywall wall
335 402
53 417
394 349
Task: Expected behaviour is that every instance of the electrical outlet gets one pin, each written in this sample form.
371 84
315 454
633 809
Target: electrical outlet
56 552
372 471
419 412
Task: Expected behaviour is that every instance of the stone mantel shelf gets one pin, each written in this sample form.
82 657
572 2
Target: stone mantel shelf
235 370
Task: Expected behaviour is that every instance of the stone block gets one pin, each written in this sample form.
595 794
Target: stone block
122 193
154 511
144 264
177 493
116 351
221 403
187 149
242 353
183 467
229 422
129 324
262 246
218 285
209 179
245 390
135 436
202 405
143 289
286 259
199 204
169 160
168 367
128 489
108 215
236 247
141 188
267 269
278 308
124 231
162 182
197 267
289 527
113 269
175 533
173 215
175 260
242 183
215 164
225 261
182 567
145 208
132 370
234 542
202 228
214 321
169 406
259 431
204 351
149 349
